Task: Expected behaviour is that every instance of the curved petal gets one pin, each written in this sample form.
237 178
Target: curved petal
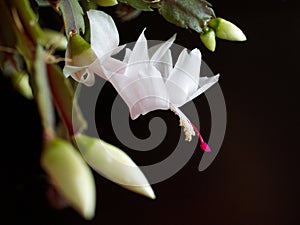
161 57
104 33
164 65
68 70
139 53
113 66
204 84
127 55
184 78
84 76
143 90
81 74
157 51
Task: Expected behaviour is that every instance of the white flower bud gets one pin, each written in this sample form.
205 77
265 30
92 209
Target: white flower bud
114 164
70 175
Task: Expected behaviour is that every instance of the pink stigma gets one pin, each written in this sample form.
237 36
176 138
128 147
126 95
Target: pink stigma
203 145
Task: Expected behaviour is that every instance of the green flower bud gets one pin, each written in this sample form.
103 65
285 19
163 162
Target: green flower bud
70 175
106 2
226 30
208 38
21 83
114 164
80 51
20 79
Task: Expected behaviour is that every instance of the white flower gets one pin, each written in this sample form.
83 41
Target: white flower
146 78
150 82
88 59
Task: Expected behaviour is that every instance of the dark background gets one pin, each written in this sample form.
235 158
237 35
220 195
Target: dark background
253 181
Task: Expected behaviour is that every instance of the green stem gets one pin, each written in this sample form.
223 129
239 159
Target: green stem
28 19
65 103
42 94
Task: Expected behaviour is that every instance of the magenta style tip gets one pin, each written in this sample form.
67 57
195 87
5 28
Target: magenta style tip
205 147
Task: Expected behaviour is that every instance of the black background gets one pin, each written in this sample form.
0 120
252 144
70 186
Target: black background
253 181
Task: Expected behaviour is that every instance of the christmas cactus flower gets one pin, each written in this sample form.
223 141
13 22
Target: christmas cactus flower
84 59
146 78
150 82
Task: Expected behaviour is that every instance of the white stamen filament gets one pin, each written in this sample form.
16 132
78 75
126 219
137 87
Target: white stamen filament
184 122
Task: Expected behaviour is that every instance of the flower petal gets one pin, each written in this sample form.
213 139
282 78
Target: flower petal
104 33
161 57
144 91
68 70
204 84
108 67
157 51
184 78
127 55
165 65
140 51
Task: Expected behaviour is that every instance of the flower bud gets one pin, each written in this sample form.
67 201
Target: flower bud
114 164
226 30
80 51
20 79
70 175
21 83
209 39
106 2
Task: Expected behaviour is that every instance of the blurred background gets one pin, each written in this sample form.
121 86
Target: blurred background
255 177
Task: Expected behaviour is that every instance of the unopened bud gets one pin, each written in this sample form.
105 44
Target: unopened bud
208 38
70 175
106 3
226 30
114 164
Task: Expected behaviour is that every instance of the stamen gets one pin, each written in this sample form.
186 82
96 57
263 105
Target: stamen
189 128
185 123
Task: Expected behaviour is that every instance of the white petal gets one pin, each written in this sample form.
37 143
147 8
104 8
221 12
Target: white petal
81 74
108 67
165 65
127 55
104 33
140 50
184 78
68 70
159 50
85 76
143 90
204 84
